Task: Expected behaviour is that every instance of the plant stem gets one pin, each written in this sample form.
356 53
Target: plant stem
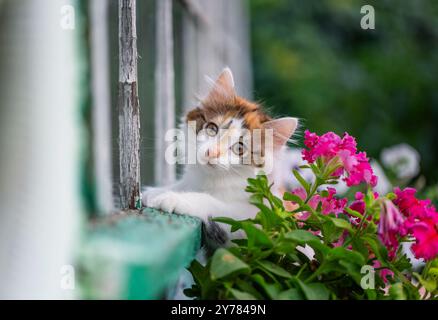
357 233
314 274
301 270
315 186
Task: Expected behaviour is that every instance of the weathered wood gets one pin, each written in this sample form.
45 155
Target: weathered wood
165 91
143 254
101 104
129 111
208 48
235 34
194 10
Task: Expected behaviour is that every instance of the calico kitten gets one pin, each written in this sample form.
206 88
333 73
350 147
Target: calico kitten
224 127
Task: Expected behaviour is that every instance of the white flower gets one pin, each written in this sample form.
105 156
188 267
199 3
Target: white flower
403 159
383 185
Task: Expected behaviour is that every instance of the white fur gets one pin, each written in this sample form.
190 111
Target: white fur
206 191
213 189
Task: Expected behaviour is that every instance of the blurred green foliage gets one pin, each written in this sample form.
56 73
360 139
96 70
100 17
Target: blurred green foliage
312 60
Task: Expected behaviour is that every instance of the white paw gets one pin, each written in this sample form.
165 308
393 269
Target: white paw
169 202
149 193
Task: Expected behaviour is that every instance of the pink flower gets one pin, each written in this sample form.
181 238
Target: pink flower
359 170
383 272
390 223
330 145
359 206
330 204
426 235
421 221
313 202
325 146
341 240
412 207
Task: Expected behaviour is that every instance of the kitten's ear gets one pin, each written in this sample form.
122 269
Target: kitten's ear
221 89
283 129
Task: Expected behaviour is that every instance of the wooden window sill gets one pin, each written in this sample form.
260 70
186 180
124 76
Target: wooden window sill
136 256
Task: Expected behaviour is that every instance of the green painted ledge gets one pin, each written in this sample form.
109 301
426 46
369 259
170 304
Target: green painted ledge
136 256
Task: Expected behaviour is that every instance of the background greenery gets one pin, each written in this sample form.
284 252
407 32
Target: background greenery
312 60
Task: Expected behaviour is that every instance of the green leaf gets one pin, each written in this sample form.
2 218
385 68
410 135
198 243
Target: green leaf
371 294
376 246
240 295
354 213
256 199
274 268
369 198
402 262
339 253
301 236
284 247
271 289
429 284
240 242
198 271
315 169
314 291
433 272
330 232
302 181
235 225
268 219
278 203
290 294
204 287
324 193
293 197
303 207
246 286
341 223
255 236
224 263
342 261
359 246
434 263
391 196
305 237
396 292
352 269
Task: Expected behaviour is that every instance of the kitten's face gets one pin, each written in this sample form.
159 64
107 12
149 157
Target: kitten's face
234 134
225 141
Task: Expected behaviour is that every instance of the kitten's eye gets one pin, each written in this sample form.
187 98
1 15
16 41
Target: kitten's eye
211 129
238 148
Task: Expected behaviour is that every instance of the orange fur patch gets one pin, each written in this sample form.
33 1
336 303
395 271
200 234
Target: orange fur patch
229 107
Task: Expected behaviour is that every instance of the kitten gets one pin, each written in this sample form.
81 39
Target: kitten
224 131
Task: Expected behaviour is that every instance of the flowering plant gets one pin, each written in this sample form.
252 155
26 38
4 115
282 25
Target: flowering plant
313 244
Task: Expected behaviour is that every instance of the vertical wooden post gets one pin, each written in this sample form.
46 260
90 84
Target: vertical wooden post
165 91
101 104
221 40
129 110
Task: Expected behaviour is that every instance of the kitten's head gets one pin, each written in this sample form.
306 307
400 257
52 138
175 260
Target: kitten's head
233 133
